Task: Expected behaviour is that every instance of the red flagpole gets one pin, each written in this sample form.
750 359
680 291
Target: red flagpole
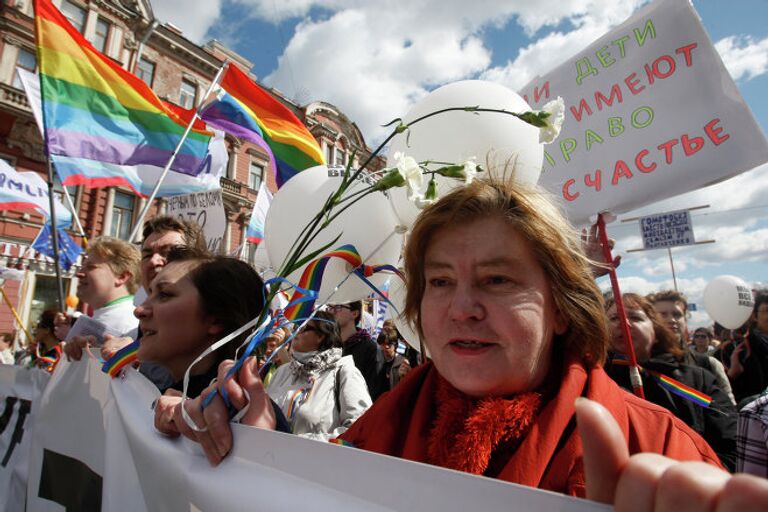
634 368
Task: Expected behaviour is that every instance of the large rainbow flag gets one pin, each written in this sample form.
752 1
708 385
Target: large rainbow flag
249 112
95 111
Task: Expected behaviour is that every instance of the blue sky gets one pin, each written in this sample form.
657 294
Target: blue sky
375 59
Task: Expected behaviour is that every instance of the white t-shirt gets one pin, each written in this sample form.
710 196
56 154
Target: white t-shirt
118 316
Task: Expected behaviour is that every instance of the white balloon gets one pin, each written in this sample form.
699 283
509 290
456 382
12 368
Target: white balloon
397 297
500 143
728 301
369 225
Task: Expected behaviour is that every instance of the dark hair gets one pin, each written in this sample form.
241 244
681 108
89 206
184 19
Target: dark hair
388 335
666 342
191 231
46 319
328 329
230 291
669 296
705 330
761 298
356 306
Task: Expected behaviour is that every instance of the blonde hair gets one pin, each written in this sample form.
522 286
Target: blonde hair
120 256
556 244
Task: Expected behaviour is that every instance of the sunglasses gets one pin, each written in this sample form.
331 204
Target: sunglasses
700 336
337 307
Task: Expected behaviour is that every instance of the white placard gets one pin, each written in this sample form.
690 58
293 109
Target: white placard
205 209
95 435
651 112
667 230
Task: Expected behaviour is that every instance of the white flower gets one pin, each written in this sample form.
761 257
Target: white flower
409 169
421 202
470 170
556 111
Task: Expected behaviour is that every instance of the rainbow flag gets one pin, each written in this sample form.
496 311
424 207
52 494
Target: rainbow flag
247 111
94 110
255 231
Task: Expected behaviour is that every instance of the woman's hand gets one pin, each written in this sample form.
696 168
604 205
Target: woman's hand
74 347
593 248
165 407
112 345
648 481
213 430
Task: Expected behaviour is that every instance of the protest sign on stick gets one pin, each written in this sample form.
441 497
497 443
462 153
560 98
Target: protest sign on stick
651 112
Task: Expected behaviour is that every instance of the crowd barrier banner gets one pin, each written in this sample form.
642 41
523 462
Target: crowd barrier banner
651 112
20 390
94 446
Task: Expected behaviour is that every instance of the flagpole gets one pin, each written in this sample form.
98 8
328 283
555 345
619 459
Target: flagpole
75 215
55 237
145 210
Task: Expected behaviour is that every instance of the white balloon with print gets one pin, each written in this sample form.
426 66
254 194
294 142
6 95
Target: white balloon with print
369 225
502 144
728 301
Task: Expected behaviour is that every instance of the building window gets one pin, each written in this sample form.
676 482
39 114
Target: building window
255 175
341 157
99 40
187 94
146 71
74 13
329 154
25 60
122 215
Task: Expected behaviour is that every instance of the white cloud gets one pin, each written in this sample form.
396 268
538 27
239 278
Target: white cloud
744 57
194 23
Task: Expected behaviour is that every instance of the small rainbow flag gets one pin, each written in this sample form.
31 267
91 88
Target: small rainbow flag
312 278
122 358
96 111
247 111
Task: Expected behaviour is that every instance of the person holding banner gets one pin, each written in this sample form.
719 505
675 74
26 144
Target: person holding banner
505 301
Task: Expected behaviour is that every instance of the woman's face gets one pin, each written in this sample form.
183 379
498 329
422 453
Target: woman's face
487 312
307 339
701 341
641 329
173 326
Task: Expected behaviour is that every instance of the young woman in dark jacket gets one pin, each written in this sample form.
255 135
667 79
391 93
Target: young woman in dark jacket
659 355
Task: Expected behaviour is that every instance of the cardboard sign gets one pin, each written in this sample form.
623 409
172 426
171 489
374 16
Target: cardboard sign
651 112
667 230
207 210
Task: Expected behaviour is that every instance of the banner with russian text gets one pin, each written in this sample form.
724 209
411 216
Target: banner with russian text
94 447
651 112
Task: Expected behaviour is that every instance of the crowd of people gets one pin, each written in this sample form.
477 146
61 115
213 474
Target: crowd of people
525 377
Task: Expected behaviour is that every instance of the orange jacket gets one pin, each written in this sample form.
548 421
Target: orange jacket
550 456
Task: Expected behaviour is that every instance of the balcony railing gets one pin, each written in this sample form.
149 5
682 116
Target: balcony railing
10 95
232 186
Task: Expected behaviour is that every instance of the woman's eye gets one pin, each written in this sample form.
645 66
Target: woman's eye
498 280
437 282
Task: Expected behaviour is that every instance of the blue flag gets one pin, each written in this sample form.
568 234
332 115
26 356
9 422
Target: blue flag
68 248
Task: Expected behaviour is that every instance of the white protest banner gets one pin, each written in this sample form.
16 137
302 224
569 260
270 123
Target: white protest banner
667 230
95 448
66 464
276 471
651 112
204 208
20 190
20 390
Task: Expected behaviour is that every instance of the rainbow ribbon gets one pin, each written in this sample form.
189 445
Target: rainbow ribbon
341 442
299 397
674 386
312 278
122 358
